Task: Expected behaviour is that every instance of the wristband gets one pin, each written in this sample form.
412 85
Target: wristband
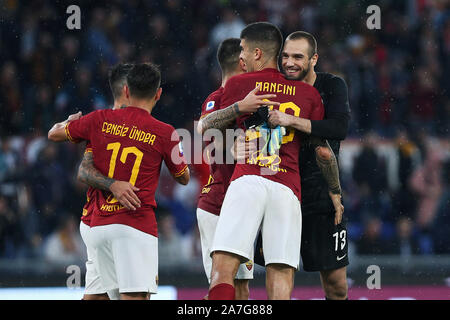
236 108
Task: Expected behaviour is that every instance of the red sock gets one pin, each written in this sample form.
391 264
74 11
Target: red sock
222 291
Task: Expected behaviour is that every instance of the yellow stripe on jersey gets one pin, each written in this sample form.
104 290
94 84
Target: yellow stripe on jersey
66 129
179 174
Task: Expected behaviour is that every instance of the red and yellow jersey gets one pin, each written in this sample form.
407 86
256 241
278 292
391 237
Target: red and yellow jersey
296 98
213 193
128 145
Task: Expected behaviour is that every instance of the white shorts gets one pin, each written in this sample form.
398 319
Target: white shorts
93 283
253 203
127 258
207 223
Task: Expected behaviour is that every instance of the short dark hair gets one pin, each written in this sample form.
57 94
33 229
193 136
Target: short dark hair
118 78
264 35
144 80
305 35
228 54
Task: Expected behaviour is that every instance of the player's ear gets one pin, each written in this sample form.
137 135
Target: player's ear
257 54
314 59
126 91
158 94
242 66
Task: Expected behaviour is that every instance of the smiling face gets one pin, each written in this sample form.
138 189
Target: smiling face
295 59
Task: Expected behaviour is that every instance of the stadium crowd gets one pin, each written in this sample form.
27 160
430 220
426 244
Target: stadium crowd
398 92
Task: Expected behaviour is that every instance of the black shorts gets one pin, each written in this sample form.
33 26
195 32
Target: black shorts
324 245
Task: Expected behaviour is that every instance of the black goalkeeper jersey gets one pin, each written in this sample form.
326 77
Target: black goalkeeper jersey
334 93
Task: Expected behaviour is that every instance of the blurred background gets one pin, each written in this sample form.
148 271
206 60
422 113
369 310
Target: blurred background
394 161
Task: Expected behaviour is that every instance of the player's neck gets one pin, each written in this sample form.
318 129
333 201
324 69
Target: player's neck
261 65
226 77
310 78
146 105
119 103
224 80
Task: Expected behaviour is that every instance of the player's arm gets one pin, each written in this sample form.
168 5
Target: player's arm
335 127
224 118
326 160
183 177
327 163
58 132
123 191
174 159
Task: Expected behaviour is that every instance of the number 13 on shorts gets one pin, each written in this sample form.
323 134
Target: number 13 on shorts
340 240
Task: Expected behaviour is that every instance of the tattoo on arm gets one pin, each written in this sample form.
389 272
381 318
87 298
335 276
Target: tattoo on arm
327 163
88 174
220 119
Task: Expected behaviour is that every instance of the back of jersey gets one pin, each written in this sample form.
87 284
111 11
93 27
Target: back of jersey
129 145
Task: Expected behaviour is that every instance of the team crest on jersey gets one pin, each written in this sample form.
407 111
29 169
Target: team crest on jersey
210 105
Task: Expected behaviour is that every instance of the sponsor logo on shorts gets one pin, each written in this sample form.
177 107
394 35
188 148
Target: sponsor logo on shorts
340 258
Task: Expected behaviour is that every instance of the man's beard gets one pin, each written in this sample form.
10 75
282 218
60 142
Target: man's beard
301 76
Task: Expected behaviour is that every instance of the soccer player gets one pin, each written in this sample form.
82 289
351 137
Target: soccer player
254 200
123 191
213 193
129 144
324 245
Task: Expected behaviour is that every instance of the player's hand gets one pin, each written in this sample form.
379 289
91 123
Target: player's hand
253 101
278 118
338 207
74 116
124 192
240 149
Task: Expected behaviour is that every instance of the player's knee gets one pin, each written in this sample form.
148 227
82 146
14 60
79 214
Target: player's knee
224 267
335 284
242 290
323 153
279 281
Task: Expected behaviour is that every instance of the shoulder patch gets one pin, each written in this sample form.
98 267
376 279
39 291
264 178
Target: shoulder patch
180 148
210 105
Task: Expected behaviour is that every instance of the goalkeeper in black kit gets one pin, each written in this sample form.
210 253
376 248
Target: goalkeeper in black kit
324 246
